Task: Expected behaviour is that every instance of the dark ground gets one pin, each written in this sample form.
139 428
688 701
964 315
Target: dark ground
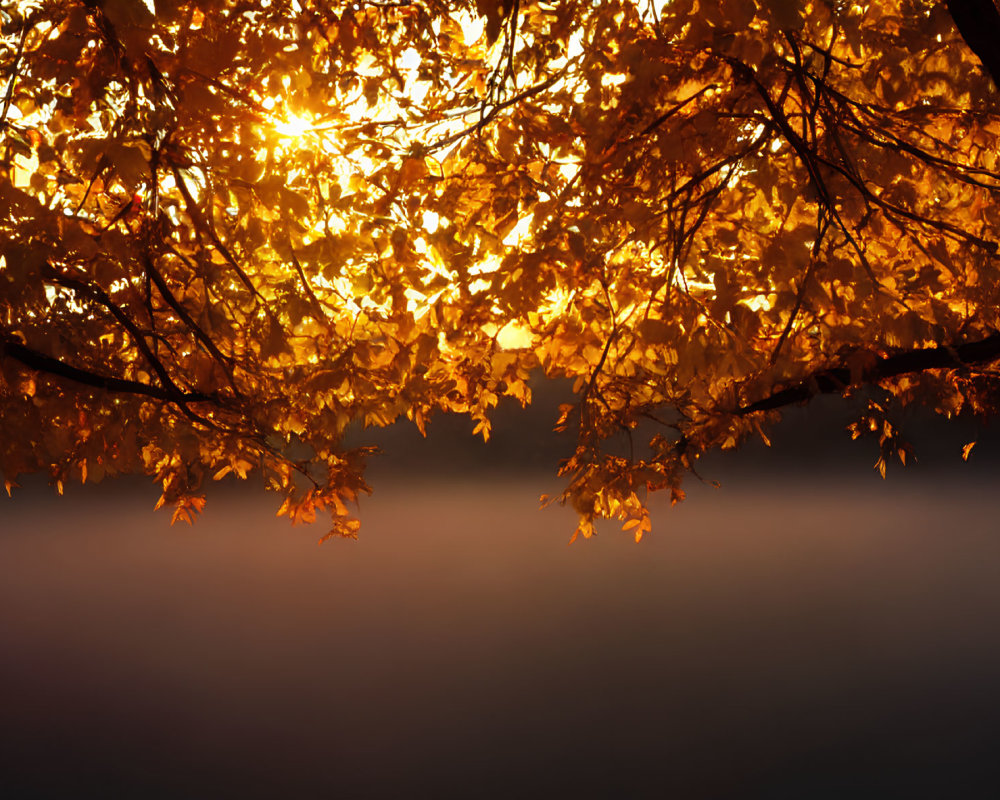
808 631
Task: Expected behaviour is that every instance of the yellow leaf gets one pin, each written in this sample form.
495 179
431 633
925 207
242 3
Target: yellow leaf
285 507
411 170
484 428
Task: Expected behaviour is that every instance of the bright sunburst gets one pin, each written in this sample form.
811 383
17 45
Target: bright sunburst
293 126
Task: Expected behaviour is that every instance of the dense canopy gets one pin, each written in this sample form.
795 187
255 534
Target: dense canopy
231 229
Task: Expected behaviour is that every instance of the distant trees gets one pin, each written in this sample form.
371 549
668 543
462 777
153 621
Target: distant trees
231 229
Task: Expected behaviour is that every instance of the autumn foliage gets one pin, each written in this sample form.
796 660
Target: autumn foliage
229 230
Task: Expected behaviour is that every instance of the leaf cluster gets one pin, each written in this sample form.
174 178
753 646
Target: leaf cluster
229 230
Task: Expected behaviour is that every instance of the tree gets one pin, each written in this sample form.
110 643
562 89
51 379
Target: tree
231 229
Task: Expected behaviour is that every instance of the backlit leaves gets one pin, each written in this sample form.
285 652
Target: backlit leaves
230 231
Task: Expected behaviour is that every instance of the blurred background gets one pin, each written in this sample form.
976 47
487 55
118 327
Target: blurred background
806 631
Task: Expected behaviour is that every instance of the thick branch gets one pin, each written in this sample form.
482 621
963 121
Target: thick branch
98 294
53 366
837 379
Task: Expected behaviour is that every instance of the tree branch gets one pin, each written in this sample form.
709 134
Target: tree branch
837 379
53 366
202 224
97 294
496 109
206 341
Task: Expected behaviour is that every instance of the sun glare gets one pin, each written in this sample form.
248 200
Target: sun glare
346 141
293 126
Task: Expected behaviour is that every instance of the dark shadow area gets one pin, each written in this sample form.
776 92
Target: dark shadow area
778 639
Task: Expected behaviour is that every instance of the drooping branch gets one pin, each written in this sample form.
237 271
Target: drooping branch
837 379
53 366
97 294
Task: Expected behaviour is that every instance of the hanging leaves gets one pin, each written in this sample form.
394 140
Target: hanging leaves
231 231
